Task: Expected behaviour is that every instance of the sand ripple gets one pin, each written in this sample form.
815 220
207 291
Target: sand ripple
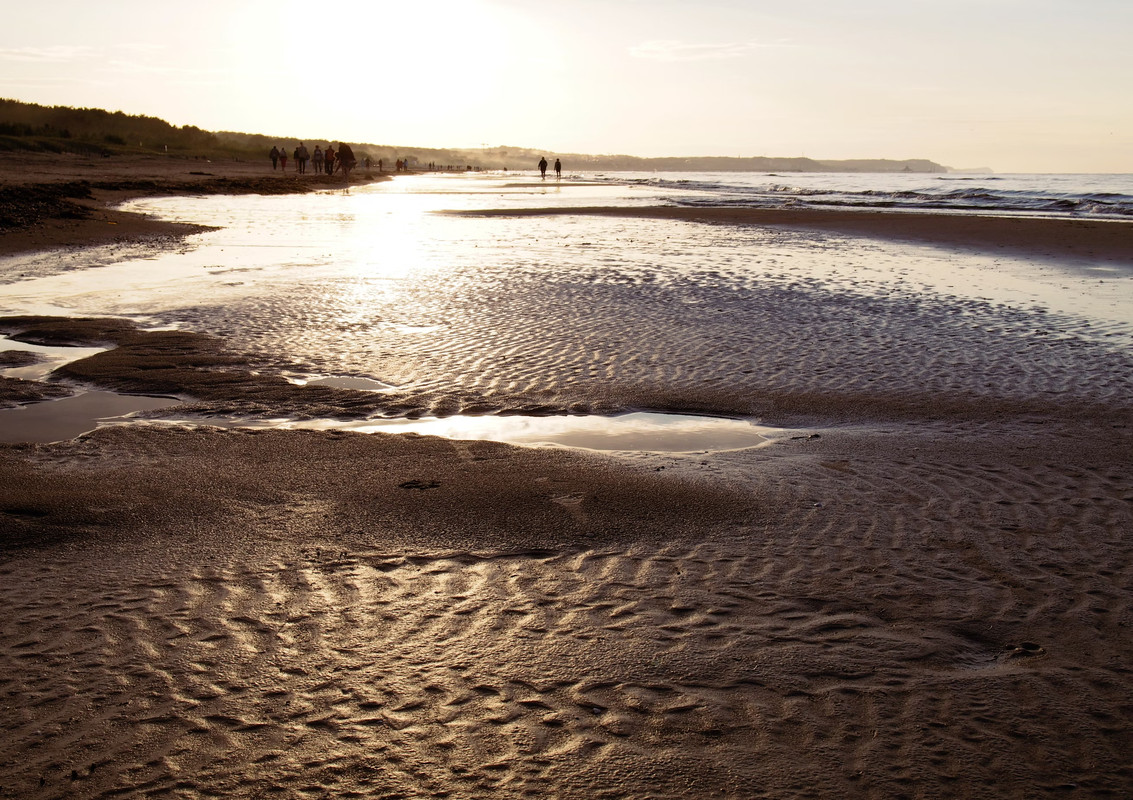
946 622
747 334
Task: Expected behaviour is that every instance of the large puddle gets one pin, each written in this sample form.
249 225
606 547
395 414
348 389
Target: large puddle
638 431
48 358
58 420
68 417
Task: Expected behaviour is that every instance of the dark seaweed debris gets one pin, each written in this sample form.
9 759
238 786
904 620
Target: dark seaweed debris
21 206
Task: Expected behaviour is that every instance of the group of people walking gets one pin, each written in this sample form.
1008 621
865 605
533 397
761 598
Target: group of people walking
543 168
328 161
331 161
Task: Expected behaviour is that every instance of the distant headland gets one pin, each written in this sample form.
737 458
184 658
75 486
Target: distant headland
93 131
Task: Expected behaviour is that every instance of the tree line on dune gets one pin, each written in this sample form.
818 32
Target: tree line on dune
95 131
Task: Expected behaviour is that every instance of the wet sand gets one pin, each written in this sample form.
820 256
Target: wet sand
1058 239
922 591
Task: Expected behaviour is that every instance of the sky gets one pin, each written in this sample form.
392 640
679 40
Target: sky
1013 85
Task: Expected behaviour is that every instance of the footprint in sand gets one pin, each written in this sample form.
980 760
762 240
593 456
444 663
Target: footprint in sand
573 504
420 485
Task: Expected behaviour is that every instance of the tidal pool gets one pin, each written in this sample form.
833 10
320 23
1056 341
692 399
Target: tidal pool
68 417
638 431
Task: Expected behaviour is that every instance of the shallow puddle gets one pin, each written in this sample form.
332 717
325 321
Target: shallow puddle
639 431
642 431
346 382
50 358
68 417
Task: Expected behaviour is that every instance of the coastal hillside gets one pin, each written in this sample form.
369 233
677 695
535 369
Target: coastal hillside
94 131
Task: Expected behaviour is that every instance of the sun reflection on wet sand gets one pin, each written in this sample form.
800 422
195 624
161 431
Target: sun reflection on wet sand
579 313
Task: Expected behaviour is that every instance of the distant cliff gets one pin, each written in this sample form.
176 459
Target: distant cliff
759 164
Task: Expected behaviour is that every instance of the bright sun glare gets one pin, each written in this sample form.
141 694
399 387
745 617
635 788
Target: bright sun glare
437 67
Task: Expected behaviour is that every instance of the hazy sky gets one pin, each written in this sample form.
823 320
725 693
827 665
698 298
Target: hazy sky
1015 85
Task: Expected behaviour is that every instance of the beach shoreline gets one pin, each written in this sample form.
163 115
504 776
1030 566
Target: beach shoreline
925 589
68 201
112 181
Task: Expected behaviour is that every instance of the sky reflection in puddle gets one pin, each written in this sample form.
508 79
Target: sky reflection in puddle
638 431
50 358
345 382
68 417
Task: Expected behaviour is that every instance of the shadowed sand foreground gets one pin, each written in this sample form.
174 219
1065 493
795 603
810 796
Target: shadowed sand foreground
923 592
295 614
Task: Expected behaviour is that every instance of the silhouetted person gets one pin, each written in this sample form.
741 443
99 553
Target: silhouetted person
317 160
274 158
330 156
558 169
346 159
542 167
301 156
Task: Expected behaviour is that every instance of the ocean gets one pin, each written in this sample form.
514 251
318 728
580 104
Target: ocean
1079 196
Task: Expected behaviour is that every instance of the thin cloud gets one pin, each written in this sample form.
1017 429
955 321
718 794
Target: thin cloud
169 72
56 54
671 50
142 48
52 82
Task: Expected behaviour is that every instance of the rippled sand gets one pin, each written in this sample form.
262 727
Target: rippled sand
926 592
302 613
606 313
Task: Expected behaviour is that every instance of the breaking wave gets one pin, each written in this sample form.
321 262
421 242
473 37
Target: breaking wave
1083 196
